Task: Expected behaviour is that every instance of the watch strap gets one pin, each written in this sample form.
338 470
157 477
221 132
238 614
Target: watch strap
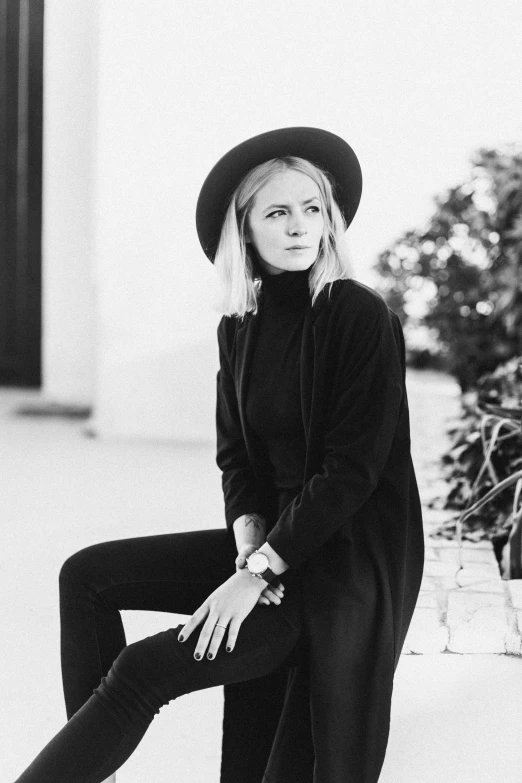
269 576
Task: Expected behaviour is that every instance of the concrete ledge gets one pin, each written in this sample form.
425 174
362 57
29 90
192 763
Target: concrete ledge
464 606
476 622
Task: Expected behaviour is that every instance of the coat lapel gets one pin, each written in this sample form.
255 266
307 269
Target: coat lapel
312 374
245 341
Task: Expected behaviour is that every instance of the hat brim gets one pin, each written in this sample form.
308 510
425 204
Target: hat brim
325 149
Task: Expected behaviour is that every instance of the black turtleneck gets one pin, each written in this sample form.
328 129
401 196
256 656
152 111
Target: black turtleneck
273 405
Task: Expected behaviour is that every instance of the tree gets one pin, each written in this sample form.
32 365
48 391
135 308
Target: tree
459 278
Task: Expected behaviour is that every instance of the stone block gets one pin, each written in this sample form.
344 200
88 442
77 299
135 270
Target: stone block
477 622
434 568
435 515
429 582
480 554
448 556
515 592
483 570
427 600
426 634
476 583
513 643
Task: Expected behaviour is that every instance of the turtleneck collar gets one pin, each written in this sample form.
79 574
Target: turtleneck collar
287 289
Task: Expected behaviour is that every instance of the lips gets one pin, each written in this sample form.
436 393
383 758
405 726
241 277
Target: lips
299 247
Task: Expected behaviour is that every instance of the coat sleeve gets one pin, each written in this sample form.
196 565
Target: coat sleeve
238 480
361 422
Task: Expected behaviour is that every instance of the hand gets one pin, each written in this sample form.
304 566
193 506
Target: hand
270 595
225 608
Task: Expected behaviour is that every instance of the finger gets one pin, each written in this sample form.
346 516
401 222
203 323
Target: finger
263 600
205 637
271 595
196 619
217 637
233 631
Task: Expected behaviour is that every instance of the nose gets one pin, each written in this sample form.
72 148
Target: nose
296 225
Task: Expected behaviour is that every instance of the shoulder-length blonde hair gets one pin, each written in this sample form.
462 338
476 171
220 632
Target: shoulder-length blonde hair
234 260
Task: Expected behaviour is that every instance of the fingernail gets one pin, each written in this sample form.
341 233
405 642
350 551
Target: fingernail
181 638
209 656
229 649
197 656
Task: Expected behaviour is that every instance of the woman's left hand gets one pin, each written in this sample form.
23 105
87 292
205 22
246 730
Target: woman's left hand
224 609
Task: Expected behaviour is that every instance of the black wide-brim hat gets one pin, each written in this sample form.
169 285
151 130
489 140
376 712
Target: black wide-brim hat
325 149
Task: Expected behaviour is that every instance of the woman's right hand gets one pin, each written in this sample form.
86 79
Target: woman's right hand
268 596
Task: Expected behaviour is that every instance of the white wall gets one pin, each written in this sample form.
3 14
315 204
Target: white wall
156 349
139 111
70 44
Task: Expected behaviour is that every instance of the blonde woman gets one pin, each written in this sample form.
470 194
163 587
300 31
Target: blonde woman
307 592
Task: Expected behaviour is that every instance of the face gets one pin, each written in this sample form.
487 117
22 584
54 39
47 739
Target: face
285 224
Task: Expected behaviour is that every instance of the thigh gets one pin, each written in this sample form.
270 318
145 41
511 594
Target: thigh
171 573
161 668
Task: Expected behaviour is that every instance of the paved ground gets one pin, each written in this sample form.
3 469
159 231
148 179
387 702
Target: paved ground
59 490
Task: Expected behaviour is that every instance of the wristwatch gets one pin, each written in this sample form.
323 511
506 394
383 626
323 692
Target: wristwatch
258 565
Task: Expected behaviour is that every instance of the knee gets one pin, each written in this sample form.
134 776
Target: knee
133 687
79 569
158 666
131 663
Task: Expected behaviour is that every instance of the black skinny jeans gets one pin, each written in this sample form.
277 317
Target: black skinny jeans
113 691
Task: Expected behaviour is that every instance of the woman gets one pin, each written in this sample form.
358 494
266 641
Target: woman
313 583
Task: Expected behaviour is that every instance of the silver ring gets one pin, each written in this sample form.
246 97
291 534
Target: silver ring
220 626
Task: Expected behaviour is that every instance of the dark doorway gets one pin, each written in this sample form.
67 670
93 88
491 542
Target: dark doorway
21 71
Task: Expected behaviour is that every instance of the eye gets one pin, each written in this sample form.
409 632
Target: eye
276 212
315 209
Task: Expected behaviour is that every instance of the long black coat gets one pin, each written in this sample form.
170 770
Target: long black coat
355 530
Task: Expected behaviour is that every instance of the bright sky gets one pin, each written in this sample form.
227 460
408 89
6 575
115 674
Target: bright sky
415 86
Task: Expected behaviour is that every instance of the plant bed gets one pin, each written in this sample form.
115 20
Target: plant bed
483 465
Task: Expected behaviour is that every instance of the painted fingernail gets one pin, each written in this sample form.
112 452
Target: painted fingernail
229 649
181 638
210 656
197 656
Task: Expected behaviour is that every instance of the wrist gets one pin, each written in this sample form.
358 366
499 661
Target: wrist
259 566
277 564
251 580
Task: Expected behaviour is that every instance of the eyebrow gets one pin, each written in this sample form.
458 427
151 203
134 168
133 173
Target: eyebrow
285 206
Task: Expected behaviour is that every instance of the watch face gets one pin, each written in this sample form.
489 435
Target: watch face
257 563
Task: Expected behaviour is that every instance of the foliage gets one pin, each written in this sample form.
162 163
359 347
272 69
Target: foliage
464 267
499 392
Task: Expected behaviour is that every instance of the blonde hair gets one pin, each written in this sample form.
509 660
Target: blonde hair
234 260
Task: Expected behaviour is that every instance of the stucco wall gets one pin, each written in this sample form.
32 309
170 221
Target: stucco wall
156 349
148 96
68 347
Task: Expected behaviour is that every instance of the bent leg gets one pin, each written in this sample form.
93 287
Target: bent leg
167 573
150 673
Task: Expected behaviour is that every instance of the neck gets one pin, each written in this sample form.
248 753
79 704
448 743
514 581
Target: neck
289 289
